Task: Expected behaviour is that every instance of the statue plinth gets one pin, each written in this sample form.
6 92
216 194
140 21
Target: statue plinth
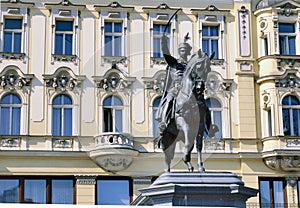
208 189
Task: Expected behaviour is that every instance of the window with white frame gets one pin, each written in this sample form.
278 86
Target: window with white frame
113 38
215 109
287 38
112 114
12 35
10 114
64 37
291 115
210 40
155 106
158 31
62 115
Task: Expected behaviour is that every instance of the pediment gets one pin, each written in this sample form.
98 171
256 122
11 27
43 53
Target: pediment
113 80
63 79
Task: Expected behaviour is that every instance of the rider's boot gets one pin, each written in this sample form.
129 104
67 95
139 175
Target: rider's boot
161 127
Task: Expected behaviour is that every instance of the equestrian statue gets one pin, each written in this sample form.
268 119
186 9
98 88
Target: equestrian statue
183 113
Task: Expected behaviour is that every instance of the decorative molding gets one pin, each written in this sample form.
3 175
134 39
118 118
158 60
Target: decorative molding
61 143
292 180
114 163
155 84
244 30
114 60
12 56
17 2
285 163
210 9
85 179
63 58
10 142
14 79
63 80
163 7
288 80
266 98
157 61
114 6
293 142
215 84
114 80
65 3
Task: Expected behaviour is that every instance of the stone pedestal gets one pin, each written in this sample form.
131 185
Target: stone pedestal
209 189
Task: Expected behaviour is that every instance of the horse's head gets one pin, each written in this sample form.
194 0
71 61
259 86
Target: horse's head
199 66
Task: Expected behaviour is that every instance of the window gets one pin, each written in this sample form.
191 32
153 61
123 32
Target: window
10 115
291 116
272 192
158 30
265 46
287 38
37 190
112 111
215 109
210 40
62 116
9 190
113 39
12 35
114 192
154 111
270 126
63 37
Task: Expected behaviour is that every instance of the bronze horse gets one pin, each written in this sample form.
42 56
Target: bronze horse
191 115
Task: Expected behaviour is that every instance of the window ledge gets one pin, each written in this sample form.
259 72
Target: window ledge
114 60
12 56
157 61
63 58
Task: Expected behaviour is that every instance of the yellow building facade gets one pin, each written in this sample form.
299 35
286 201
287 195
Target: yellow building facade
81 82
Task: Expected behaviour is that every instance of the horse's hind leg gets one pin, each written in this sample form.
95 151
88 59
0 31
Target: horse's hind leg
199 146
187 157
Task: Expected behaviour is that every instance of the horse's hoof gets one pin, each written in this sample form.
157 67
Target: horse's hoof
202 170
191 169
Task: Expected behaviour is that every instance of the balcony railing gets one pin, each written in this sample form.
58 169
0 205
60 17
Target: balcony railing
114 139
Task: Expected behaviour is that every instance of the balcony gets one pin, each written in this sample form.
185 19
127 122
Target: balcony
113 151
281 153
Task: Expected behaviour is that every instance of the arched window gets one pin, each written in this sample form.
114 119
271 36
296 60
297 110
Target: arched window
291 115
215 109
154 111
10 114
112 114
62 116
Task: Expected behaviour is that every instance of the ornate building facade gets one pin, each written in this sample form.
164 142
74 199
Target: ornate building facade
81 82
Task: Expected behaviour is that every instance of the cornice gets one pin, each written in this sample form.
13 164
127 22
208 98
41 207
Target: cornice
65 4
114 6
161 8
17 3
211 9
